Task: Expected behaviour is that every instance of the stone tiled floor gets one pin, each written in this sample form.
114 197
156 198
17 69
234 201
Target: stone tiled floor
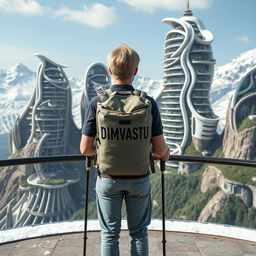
178 244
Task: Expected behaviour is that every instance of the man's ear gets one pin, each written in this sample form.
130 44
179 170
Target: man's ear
110 71
136 71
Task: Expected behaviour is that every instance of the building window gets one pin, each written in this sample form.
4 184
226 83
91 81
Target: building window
225 186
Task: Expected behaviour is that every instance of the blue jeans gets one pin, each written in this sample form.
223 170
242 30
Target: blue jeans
137 196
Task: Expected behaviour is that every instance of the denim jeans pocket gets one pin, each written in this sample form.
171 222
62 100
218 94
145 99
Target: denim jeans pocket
105 186
140 188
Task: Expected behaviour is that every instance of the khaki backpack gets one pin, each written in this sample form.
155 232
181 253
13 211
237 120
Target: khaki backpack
124 124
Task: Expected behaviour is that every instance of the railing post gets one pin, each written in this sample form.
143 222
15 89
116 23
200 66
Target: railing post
88 167
162 170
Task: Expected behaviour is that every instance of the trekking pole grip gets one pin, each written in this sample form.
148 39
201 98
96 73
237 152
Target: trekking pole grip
88 163
162 166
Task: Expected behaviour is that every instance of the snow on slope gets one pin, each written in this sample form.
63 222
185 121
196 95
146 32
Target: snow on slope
152 87
17 83
225 81
16 86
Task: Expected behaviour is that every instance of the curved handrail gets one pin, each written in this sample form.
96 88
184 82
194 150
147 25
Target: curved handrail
179 158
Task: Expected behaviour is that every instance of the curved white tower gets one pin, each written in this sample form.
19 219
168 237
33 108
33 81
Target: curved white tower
96 74
47 117
46 122
188 71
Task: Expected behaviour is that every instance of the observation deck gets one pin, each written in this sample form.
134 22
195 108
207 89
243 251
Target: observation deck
43 241
182 237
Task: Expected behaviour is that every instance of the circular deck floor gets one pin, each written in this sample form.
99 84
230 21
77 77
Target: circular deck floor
178 244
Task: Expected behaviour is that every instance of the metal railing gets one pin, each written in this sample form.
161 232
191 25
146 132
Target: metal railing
177 158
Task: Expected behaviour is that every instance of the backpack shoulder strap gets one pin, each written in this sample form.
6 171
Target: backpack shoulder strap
139 93
109 91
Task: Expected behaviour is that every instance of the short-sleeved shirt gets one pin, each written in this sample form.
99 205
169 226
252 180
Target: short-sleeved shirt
89 125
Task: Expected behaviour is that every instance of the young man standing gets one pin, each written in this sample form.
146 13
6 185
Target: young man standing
122 150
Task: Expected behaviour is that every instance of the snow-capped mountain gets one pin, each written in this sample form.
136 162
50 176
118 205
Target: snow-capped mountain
17 84
152 87
225 81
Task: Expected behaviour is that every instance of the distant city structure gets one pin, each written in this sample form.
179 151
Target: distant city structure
47 123
243 103
96 74
188 71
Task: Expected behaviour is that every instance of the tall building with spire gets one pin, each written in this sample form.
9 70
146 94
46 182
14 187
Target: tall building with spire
188 71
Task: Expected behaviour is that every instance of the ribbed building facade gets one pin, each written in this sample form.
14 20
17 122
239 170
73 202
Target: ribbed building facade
47 123
188 71
46 119
96 74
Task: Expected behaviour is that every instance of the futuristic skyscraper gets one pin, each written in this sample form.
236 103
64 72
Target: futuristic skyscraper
46 124
47 119
188 71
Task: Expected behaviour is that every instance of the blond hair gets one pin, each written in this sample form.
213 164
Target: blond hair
123 61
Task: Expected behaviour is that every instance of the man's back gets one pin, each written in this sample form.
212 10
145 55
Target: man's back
122 147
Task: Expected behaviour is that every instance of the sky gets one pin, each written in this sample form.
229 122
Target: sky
79 32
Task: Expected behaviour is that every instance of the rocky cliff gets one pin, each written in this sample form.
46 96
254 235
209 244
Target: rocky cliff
211 178
11 176
214 206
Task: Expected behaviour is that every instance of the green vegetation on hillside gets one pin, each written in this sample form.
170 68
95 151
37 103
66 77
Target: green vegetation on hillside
92 212
24 183
52 181
235 213
190 150
68 175
60 178
238 173
246 123
183 197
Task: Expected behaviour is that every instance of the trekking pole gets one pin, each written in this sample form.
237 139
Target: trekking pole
162 170
88 167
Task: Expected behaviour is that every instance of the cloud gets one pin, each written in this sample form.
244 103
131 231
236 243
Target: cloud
151 5
243 39
97 15
25 7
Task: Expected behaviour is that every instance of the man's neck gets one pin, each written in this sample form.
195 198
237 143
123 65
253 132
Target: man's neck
122 81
